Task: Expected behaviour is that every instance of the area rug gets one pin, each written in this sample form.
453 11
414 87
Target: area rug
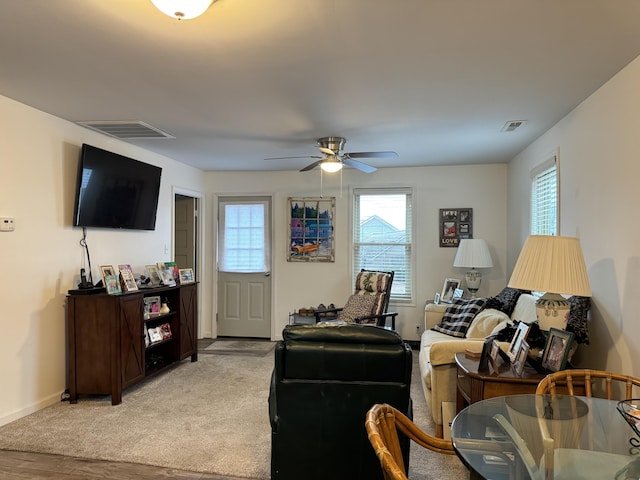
240 347
210 416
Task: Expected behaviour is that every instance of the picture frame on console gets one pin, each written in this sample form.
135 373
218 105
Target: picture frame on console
112 284
556 349
448 289
128 279
186 275
106 271
153 274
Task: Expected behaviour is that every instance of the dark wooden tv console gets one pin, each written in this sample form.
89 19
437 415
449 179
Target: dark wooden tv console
106 339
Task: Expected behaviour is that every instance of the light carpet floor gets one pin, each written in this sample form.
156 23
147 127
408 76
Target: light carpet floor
209 416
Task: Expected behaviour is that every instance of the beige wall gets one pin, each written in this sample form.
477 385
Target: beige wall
482 187
599 145
42 257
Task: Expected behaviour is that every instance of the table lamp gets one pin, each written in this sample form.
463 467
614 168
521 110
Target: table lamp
473 253
554 265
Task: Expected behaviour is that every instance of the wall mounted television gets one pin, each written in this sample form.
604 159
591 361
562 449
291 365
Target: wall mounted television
114 191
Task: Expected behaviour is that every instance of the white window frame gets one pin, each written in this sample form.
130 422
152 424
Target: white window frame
406 297
541 175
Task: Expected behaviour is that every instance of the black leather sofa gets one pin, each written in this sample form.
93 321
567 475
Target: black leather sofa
325 379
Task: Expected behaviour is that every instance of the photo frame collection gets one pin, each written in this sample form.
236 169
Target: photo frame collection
123 279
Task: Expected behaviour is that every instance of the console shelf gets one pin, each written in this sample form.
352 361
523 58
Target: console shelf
106 339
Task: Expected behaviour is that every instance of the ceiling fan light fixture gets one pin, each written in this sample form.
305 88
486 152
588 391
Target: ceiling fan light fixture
331 166
182 9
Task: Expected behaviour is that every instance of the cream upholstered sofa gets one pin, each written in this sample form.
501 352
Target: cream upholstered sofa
436 358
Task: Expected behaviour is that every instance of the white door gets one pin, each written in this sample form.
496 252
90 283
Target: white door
244 268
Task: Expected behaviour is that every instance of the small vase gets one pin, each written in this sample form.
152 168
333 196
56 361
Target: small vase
164 308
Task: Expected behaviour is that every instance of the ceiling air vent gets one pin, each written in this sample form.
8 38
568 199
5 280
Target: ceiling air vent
513 125
126 130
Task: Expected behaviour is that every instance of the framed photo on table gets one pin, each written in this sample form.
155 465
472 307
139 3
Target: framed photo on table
556 349
128 280
521 358
448 289
153 274
112 284
521 334
106 271
186 275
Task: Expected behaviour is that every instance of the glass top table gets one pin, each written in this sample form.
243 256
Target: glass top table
546 437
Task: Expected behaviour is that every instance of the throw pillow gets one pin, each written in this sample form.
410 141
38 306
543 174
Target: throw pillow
485 323
357 306
458 317
577 322
506 300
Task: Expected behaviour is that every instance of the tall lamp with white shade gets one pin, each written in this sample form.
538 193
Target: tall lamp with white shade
473 253
554 265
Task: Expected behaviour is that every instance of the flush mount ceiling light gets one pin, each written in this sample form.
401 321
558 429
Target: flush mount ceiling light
182 9
331 165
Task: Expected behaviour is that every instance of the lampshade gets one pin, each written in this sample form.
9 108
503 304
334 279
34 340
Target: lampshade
182 9
473 253
331 165
554 265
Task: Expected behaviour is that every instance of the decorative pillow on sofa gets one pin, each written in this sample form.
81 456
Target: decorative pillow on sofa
506 300
577 321
487 322
458 317
357 306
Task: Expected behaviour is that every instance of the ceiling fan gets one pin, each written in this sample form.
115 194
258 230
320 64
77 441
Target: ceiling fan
333 159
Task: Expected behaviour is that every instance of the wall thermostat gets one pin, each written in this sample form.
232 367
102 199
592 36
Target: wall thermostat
7 224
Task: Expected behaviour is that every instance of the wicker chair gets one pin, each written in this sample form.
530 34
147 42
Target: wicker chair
382 424
549 383
606 386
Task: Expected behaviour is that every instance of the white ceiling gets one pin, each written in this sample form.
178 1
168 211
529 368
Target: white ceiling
434 80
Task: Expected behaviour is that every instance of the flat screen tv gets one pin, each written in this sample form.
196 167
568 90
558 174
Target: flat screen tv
114 191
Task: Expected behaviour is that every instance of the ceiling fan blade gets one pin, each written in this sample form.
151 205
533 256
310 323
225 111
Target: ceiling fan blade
311 166
326 150
363 167
284 158
372 154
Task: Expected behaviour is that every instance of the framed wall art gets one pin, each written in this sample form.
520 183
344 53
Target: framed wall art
455 224
311 223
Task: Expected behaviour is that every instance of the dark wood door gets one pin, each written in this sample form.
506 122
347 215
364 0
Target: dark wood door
189 322
131 339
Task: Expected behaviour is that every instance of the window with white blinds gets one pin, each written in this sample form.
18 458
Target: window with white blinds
243 237
382 236
544 199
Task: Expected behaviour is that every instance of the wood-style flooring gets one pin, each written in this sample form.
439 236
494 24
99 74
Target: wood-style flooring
39 466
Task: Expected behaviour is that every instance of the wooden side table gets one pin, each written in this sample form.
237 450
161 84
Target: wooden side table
474 386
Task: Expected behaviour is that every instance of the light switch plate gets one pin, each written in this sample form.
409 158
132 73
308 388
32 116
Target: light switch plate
7 224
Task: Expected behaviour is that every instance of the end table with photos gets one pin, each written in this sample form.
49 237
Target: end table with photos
474 386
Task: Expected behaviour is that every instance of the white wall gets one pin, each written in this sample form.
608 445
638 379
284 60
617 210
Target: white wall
42 257
599 145
482 187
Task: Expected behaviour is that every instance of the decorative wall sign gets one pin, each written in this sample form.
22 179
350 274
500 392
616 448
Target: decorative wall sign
455 224
311 229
